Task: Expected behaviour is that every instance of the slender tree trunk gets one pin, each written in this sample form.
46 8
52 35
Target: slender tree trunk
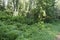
15 5
5 3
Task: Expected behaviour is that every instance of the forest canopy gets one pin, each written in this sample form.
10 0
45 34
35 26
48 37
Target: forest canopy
34 10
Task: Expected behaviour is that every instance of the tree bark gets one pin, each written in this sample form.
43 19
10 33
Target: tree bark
5 3
15 5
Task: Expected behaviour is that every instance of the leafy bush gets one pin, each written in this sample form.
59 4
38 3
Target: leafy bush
18 31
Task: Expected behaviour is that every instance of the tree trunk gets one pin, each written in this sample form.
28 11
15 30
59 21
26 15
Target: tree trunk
5 3
15 5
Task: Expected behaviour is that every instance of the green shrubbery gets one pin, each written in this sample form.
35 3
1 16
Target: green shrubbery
29 26
22 28
18 31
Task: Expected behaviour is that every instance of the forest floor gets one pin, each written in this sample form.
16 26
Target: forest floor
55 28
9 29
58 36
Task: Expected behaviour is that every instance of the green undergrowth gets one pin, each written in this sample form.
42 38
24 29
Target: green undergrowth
55 27
18 31
18 28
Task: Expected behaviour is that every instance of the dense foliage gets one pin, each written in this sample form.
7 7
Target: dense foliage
35 11
27 19
18 31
